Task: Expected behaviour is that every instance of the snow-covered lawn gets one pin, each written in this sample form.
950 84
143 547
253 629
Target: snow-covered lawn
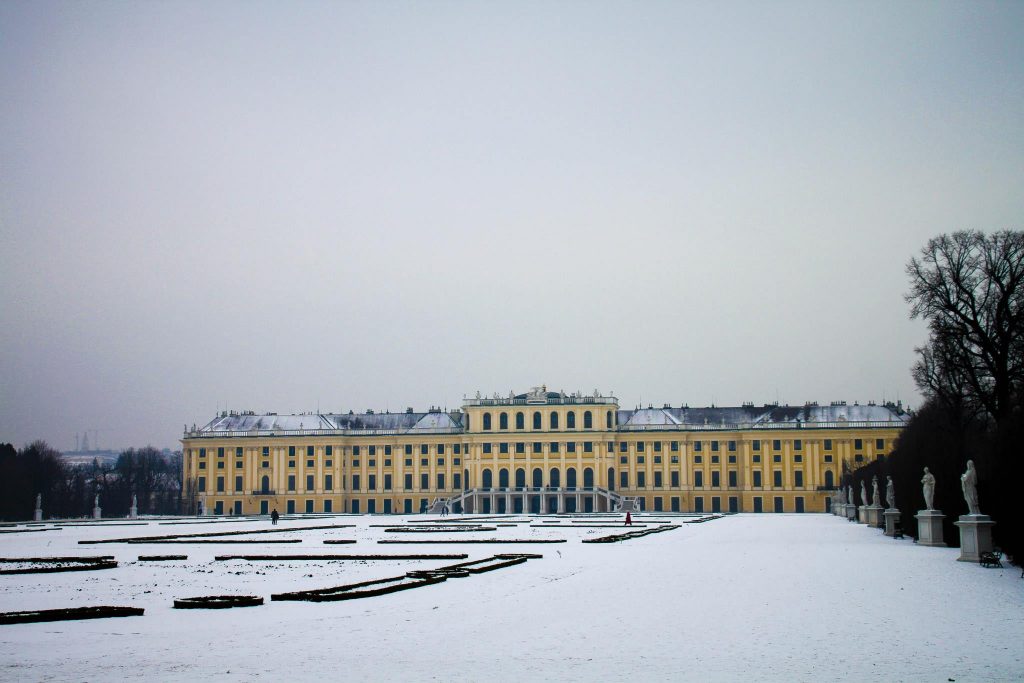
741 598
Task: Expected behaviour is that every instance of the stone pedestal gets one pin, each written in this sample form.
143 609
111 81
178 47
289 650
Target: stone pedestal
97 512
862 514
975 536
929 528
892 520
851 512
38 516
133 513
873 516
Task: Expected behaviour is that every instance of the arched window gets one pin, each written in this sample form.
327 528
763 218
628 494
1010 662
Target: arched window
536 420
503 478
520 421
265 484
570 420
520 478
611 478
588 478
488 480
555 479
503 421
588 420
554 420
570 477
608 420
538 477
487 422
828 479
465 480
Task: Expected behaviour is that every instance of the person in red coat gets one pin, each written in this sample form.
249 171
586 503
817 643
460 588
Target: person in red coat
629 519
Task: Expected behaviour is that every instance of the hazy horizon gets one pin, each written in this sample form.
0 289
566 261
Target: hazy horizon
335 206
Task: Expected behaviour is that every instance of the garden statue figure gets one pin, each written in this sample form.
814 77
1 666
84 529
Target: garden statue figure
890 493
969 482
928 488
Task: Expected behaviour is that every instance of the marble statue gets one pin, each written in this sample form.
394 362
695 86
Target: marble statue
969 482
135 502
849 494
39 501
863 493
876 501
928 489
96 503
890 493
842 496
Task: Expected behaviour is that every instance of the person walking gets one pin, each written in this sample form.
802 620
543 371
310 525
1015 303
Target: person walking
629 519
274 516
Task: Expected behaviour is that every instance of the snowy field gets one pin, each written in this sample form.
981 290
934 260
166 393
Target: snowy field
737 598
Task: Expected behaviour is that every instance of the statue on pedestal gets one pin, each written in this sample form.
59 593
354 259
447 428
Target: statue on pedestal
890 493
875 500
842 496
863 493
928 489
969 483
849 494
39 501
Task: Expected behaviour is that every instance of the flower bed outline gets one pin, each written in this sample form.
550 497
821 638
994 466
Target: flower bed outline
69 614
50 565
218 602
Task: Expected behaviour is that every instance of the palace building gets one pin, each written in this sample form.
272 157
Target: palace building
542 451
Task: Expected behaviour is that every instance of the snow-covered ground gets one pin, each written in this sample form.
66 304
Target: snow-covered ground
744 597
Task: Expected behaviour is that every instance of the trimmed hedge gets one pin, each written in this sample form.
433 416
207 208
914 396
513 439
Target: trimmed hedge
218 602
477 540
365 589
161 558
69 614
49 565
212 534
266 558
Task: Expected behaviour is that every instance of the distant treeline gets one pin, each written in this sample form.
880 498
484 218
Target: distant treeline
70 490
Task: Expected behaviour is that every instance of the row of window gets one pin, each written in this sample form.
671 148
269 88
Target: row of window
639 446
537 421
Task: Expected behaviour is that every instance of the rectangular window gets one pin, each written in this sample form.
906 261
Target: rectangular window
202 484
880 444
520 447
714 459
373 450
698 459
355 482
328 482
537 447
697 445
371 506
266 451
776 458
858 444
675 479
371 463
640 460
623 480
355 451
238 452
640 446
757 479
698 504
387 450
265 463
440 481
757 457
355 463
220 465
716 479
487 448
440 449
732 459
641 480
328 506
554 446
570 447
777 479
798 444
424 449
408 482
238 483
624 459
798 478
657 480
714 446
732 479
456 481
309 451
355 507
309 482
732 446
623 447
828 444
440 462
424 481
220 452
220 484
408 449
657 460
387 482
756 445
657 447
503 448
202 452
372 482
424 462
291 451
698 479
778 504
776 445
458 449
797 457
675 446
310 463
291 482
828 458
588 446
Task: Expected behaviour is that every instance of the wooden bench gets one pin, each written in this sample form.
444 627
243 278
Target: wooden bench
992 559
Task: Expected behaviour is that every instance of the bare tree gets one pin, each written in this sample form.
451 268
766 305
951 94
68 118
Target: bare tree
970 288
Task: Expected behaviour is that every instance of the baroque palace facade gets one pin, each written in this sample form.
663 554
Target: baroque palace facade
542 451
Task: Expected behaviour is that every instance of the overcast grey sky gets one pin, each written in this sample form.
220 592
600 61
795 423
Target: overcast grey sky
280 206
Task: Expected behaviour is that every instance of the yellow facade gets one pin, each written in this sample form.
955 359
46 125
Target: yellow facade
536 452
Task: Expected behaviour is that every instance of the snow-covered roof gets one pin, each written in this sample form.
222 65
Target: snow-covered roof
420 422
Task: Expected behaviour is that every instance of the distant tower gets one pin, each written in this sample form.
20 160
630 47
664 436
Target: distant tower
76 441
85 441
